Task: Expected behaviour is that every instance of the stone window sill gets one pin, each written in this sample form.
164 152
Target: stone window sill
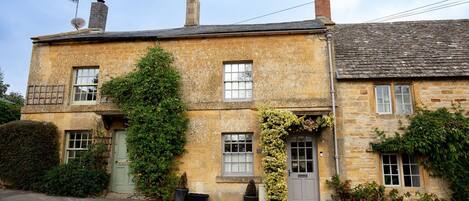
238 179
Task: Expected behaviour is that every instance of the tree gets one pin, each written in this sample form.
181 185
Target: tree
3 86
16 98
10 104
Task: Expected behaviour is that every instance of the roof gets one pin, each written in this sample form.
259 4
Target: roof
308 26
416 49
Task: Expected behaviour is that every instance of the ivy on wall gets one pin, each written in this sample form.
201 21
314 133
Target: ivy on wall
150 99
441 137
275 127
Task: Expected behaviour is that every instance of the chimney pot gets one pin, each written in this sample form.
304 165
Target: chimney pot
323 9
192 12
98 15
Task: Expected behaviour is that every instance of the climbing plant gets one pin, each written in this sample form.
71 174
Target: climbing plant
275 127
150 99
441 137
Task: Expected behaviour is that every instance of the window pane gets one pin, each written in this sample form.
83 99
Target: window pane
395 180
387 180
294 154
416 181
407 181
309 166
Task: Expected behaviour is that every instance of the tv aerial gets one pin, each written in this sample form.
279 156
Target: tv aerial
77 22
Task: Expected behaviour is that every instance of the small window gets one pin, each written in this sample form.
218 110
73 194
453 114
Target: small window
411 171
390 169
77 142
383 99
85 84
403 99
237 155
238 81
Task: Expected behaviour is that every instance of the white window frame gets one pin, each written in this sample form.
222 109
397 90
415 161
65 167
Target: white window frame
251 153
411 175
402 98
74 85
400 171
390 170
80 149
390 99
246 89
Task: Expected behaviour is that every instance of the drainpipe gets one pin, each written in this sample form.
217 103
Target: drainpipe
332 86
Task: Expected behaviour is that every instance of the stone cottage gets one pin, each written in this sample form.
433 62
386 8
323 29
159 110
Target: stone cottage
384 72
227 71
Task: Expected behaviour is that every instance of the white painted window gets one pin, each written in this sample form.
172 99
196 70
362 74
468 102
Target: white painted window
85 84
237 155
411 172
403 99
77 142
390 169
383 99
392 164
238 81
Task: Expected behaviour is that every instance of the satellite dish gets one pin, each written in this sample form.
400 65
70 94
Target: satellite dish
78 23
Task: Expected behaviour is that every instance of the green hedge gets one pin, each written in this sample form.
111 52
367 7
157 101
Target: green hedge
74 179
27 150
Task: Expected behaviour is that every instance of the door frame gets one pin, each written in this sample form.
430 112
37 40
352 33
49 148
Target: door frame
315 159
113 141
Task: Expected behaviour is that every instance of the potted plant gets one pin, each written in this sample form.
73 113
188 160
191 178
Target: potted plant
251 192
182 190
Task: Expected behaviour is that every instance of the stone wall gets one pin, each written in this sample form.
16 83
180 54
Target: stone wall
357 119
289 72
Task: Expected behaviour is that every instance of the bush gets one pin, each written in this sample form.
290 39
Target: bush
371 192
27 150
73 179
81 177
9 112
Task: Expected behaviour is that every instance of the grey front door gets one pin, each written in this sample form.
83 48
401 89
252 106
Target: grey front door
121 179
302 169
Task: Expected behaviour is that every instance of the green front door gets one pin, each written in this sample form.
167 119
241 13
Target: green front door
121 180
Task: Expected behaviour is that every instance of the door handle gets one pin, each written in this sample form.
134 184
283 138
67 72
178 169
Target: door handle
289 172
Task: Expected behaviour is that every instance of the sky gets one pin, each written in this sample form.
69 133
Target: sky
22 19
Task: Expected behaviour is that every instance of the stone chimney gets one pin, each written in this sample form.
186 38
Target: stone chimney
192 12
98 15
323 9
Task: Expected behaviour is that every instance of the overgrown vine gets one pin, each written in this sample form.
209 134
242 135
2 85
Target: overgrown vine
150 99
275 127
441 137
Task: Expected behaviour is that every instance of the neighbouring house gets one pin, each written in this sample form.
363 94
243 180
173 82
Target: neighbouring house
384 72
227 71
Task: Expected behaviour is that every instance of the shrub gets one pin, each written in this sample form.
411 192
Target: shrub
9 112
81 177
371 192
27 150
73 179
183 181
150 99
251 189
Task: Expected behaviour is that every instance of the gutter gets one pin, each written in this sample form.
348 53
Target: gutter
332 89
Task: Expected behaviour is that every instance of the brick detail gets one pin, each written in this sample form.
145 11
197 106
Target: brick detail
323 8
